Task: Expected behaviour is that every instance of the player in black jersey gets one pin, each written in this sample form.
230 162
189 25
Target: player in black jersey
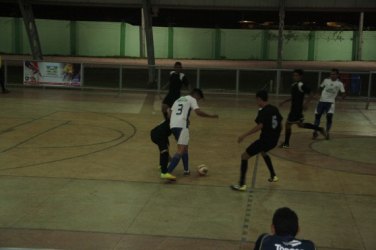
159 135
285 227
176 81
298 92
269 122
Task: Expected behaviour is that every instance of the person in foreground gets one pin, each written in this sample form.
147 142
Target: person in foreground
285 227
268 121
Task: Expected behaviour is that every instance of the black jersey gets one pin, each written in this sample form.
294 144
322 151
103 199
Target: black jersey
177 80
275 242
271 119
298 91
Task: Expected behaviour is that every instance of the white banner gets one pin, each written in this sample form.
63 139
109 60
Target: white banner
52 74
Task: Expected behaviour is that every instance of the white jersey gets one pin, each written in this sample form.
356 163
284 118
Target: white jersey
181 110
330 90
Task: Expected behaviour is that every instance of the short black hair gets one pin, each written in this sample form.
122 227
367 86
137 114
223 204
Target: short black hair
285 222
263 95
298 71
198 92
177 64
335 70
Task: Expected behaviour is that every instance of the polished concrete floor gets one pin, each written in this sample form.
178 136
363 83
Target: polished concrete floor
78 171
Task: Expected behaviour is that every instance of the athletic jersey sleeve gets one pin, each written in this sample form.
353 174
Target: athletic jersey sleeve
324 83
260 117
194 104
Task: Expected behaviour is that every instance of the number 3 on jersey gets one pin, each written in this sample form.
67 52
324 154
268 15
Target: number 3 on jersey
180 109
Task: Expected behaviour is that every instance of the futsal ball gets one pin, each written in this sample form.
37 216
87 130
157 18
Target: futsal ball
202 170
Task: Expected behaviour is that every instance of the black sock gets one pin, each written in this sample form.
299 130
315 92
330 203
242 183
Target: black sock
310 126
163 161
269 164
243 171
287 136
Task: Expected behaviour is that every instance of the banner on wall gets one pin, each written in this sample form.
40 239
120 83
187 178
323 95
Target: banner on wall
52 74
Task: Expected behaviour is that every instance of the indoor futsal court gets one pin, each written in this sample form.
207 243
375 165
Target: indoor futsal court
78 171
83 83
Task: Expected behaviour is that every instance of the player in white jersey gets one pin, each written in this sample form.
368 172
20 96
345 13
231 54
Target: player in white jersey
330 88
179 123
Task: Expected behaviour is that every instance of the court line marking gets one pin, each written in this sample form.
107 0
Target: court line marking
134 131
93 144
35 136
367 118
247 216
161 183
21 124
323 167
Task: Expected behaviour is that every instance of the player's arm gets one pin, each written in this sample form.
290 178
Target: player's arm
258 127
201 113
343 95
343 91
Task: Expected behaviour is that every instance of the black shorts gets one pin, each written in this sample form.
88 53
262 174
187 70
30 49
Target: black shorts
260 146
295 117
170 99
162 144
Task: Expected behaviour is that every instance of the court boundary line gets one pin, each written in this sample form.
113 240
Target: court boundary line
86 154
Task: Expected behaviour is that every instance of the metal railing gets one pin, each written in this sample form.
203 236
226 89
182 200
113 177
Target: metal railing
359 85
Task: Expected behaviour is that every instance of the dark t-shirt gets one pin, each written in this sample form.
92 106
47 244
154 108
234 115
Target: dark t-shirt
274 242
298 91
271 119
176 82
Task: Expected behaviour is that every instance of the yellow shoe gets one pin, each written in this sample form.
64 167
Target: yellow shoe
168 176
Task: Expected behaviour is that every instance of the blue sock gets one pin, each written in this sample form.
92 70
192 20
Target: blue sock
173 163
185 158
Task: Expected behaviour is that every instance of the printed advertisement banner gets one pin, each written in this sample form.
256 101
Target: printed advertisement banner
52 74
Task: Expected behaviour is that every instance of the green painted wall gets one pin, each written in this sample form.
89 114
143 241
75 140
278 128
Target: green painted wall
6 34
248 44
132 41
160 36
334 45
54 36
194 43
272 44
295 46
24 39
98 38
115 39
369 45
